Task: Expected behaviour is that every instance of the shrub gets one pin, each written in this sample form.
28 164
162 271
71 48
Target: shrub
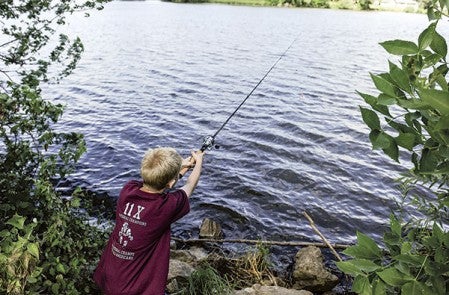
414 100
46 243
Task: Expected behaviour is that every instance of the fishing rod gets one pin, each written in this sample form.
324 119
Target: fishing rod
209 141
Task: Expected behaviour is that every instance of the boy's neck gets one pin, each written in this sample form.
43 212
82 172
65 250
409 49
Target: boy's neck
150 189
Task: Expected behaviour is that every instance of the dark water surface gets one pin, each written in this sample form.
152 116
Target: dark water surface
163 74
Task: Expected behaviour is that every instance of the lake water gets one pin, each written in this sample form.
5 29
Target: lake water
164 74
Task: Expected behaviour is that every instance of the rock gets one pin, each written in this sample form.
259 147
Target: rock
182 255
198 253
172 286
191 256
210 229
179 270
178 273
172 245
309 272
270 290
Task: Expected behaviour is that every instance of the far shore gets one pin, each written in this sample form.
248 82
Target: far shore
408 6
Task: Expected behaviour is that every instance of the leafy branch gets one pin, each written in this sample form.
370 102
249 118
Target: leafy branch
414 257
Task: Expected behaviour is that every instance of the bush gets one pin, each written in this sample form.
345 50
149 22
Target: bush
46 243
414 100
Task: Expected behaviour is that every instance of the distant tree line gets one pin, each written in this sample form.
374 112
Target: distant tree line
340 4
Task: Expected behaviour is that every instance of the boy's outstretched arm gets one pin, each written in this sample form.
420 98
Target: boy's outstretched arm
194 176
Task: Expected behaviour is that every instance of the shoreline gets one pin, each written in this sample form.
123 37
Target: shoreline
408 6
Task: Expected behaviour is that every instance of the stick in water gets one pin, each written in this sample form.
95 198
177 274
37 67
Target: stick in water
312 224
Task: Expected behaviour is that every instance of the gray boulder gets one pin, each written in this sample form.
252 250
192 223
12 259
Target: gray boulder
178 273
309 272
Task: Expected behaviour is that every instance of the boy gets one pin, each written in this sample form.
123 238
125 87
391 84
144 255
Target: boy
137 255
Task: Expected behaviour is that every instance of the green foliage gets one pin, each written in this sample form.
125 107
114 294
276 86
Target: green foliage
364 4
46 243
416 90
413 262
414 103
19 255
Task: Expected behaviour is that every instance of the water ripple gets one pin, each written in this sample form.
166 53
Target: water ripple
160 74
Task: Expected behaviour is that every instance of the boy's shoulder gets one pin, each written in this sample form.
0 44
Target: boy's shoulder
130 188
133 184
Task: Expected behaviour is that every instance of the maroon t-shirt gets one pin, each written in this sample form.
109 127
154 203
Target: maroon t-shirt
136 257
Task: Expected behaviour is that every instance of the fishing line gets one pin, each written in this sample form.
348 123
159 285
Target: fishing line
208 141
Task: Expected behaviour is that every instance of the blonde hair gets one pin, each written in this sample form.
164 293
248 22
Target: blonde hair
160 166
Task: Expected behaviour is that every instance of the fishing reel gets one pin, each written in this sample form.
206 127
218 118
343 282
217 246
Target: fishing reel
208 143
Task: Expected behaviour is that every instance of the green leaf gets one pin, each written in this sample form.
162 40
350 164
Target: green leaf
379 139
60 268
441 81
436 268
433 13
55 288
413 104
392 150
365 265
395 226
426 37
372 101
406 248
33 248
365 248
402 128
437 99
439 45
437 232
428 162
349 268
414 288
379 287
413 260
400 77
5 233
369 99
384 85
400 47
370 118
386 100
361 285
75 202
441 254
17 221
406 140
431 60
410 117
393 277
438 285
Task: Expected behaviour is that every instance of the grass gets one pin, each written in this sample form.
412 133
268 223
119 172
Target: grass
206 281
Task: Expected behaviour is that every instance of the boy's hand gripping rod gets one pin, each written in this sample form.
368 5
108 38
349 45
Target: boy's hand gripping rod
209 141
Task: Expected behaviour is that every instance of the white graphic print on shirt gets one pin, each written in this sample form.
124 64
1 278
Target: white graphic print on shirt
125 234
